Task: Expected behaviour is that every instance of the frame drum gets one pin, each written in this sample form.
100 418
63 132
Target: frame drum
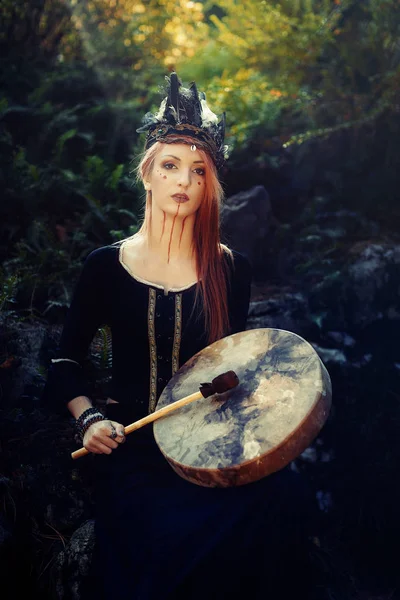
280 405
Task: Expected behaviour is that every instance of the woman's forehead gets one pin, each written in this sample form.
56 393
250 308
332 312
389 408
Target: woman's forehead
180 152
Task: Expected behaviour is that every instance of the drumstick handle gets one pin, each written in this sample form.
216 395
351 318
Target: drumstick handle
149 418
162 412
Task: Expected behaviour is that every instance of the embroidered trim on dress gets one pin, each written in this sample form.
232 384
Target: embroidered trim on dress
177 333
153 350
56 360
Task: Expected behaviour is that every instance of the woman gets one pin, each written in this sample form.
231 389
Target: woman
167 292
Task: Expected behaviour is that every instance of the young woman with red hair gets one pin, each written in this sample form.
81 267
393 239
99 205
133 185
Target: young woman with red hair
167 292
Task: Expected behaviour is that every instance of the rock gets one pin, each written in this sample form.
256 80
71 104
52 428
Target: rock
282 310
246 220
324 500
5 535
73 563
341 338
8 559
330 355
375 280
340 223
364 292
22 341
309 455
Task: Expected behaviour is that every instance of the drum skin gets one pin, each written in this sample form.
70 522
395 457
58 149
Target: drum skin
279 407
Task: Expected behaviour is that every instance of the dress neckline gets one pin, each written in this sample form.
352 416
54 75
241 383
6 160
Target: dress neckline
145 281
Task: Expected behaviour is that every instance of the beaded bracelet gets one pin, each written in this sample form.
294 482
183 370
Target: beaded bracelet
94 419
82 430
89 411
83 422
87 418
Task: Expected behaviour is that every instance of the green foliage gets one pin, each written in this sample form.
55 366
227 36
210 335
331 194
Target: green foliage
64 191
327 65
101 353
36 29
50 255
8 290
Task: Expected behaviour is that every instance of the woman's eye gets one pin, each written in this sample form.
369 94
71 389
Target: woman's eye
200 171
169 166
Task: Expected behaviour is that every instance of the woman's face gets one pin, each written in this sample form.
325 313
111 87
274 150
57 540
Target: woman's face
178 179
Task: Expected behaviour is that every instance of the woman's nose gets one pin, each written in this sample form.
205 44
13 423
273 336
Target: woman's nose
184 178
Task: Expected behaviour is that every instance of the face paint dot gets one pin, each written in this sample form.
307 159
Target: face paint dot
164 177
199 183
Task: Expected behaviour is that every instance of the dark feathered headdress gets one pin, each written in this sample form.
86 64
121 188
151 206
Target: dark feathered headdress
185 112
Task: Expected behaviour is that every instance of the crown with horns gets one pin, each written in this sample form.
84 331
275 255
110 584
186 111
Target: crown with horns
184 111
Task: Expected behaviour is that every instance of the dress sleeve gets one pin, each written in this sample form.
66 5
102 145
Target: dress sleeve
239 292
88 310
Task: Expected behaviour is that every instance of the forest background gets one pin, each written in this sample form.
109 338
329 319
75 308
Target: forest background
311 94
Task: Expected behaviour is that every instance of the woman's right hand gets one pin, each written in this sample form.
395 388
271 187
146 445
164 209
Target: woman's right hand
103 437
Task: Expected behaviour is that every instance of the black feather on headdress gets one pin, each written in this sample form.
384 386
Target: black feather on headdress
184 111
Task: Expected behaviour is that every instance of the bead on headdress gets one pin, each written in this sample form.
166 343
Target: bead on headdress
184 111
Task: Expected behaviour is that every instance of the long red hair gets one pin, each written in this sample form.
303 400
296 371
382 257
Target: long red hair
210 255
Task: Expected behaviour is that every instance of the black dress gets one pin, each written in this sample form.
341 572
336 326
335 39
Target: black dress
157 535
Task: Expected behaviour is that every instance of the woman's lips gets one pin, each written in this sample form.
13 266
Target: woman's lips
180 197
